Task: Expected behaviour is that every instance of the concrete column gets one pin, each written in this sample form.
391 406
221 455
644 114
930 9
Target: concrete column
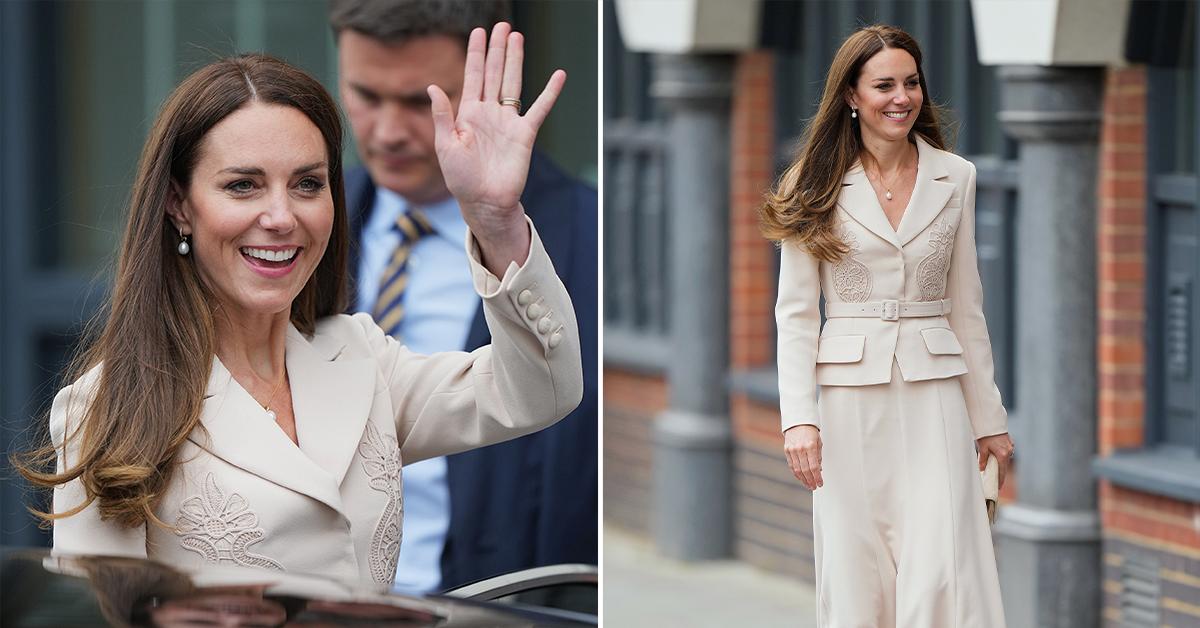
1048 543
692 438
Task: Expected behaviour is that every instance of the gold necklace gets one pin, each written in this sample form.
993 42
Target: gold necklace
887 189
267 405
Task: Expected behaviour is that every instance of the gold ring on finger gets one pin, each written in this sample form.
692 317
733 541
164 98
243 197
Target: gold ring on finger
511 102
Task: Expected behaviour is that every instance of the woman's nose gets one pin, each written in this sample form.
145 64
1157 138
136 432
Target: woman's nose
278 215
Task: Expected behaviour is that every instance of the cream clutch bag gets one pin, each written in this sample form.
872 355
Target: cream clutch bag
991 487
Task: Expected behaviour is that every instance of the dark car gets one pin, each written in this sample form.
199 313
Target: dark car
37 589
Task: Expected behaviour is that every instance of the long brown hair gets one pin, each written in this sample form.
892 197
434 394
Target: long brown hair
156 345
801 207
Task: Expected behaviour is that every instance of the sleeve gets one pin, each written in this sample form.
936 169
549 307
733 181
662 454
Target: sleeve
530 376
798 319
965 291
83 532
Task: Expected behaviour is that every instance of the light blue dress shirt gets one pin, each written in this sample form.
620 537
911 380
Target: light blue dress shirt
439 305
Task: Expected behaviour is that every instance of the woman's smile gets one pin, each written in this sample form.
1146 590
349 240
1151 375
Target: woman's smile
271 261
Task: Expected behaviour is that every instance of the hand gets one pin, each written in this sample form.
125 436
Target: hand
802 444
1000 446
484 152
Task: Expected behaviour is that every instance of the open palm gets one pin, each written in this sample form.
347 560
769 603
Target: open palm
484 151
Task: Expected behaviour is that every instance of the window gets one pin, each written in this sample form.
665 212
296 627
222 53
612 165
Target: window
1173 260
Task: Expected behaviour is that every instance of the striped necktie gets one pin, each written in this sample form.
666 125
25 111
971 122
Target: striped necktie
389 307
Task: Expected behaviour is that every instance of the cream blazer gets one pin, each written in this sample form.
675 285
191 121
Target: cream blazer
244 494
929 257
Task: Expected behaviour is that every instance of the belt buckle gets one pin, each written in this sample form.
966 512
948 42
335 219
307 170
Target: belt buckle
890 311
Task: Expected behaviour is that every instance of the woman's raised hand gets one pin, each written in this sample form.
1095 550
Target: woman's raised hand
484 150
802 444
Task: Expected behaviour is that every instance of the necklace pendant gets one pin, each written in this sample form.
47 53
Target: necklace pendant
888 195
271 413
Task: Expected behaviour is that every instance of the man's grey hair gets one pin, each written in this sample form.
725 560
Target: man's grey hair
396 21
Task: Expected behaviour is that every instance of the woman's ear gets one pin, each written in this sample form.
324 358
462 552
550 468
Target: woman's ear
177 209
850 99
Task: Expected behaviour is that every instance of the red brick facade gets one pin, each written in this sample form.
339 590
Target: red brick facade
1121 255
751 259
630 404
1160 534
773 512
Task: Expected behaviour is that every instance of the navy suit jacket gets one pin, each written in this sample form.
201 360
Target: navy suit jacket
530 501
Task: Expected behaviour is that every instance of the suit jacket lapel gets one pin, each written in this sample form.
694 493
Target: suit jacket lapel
858 199
240 433
331 398
929 196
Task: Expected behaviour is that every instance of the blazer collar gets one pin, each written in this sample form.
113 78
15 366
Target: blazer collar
929 196
331 398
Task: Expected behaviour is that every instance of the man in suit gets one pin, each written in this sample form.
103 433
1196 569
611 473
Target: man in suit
521 504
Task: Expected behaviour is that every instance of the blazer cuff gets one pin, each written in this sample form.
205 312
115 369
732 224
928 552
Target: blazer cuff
787 425
530 294
995 422
488 285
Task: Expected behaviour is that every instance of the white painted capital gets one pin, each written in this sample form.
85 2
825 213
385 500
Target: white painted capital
687 26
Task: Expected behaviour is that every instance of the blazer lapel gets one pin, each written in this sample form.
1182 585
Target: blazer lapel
331 398
930 194
858 200
240 433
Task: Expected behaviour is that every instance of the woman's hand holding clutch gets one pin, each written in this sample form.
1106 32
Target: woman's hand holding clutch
484 149
802 444
998 445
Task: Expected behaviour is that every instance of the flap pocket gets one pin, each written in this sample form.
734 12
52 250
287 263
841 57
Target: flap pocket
941 341
840 349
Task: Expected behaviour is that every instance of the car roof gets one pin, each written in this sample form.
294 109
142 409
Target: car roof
84 590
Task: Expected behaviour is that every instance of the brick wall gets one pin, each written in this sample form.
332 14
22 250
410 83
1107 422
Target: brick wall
751 258
1151 543
1151 557
1121 253
772 511
631 402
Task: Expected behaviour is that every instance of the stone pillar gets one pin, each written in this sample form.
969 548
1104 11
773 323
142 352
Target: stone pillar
1048 543
692 438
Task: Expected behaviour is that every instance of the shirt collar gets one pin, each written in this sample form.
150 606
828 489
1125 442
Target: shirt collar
444 215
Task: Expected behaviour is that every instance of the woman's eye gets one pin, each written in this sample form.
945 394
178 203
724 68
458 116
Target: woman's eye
310 184
883 87
241 187
913 83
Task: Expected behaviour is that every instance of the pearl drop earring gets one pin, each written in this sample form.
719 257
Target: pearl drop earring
854 113
184 248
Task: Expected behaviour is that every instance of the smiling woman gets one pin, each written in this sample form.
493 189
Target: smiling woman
225 412
877 220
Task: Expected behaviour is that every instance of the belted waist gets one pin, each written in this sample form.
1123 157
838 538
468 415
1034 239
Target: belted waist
890 310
